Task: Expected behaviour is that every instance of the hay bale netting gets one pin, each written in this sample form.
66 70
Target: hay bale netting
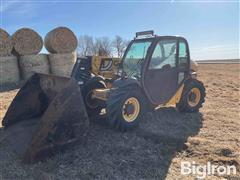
9 72
26 42
62 64
61 40
5 43
29 64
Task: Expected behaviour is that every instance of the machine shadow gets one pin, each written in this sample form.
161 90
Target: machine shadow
169 130
144 153
147 151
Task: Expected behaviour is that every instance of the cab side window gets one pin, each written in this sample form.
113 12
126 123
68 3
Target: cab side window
183 55
164 55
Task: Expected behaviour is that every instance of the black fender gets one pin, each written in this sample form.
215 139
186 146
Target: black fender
128 84
124 82
96 79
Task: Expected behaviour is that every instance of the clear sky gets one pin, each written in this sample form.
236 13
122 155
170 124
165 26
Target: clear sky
212 28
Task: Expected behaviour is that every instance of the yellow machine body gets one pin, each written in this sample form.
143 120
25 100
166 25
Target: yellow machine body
105 66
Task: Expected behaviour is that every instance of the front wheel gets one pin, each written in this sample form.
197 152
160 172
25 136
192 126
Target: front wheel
125 108
93 106
193 96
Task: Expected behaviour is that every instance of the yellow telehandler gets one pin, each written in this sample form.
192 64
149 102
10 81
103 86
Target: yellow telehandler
49 112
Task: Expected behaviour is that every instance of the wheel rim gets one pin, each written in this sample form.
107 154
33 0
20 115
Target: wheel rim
131 109
194 97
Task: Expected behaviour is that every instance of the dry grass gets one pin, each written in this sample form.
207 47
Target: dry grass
6 98
155 149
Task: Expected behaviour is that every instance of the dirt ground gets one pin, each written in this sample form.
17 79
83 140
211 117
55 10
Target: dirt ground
156 148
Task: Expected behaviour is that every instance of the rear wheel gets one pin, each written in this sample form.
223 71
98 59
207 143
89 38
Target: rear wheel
193 96
125 108
93 106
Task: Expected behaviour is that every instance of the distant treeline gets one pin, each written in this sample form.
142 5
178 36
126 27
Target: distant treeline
213 61
103 46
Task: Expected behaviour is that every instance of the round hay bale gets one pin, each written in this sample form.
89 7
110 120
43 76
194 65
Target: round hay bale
27 42
5 43
62 64
9 72
61 40
30 64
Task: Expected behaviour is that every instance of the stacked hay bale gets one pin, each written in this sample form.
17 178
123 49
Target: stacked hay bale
30 64
5 43
61 42
9 72
26 45
19 54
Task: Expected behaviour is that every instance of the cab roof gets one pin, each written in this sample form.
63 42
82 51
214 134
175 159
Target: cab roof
143 35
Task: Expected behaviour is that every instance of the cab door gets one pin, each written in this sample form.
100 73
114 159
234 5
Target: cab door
165 73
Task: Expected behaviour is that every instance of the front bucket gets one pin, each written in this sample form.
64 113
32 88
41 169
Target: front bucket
47 114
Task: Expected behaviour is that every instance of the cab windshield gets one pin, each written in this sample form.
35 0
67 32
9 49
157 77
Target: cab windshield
134 58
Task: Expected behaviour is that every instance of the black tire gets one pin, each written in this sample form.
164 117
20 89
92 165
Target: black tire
184 103
115 105
93 106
